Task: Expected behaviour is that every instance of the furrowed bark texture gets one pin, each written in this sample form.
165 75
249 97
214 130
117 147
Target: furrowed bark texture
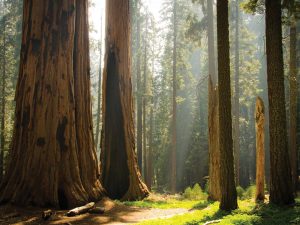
120 174
227 179
281 191
213 119
53 160
260 149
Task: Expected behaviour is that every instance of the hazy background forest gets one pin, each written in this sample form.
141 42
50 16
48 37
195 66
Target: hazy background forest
152 58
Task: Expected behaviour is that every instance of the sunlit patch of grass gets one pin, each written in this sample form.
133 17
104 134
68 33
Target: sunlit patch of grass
248 213
167 204
188 218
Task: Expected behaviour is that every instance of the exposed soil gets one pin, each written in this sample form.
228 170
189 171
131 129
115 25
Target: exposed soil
114 214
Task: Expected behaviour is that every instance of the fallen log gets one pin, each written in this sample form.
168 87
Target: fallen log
212 222
97 210
81 210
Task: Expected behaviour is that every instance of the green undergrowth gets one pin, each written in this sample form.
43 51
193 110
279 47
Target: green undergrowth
247 214
168 204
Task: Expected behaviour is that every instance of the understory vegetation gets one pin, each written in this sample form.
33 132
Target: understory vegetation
203 211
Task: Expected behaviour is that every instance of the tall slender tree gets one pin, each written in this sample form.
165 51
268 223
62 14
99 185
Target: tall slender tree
236 139
281 191
120 174
293 103
174 103
145 100
99 90
213 121
227 182
53 138
139 100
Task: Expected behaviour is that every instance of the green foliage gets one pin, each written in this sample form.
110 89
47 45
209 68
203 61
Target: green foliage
249 192
10 43
240 192
194 193
248 214
246 194
253 6
166 204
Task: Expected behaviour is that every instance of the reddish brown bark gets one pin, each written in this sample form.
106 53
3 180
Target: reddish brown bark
53 160
213 120
260 149
120 174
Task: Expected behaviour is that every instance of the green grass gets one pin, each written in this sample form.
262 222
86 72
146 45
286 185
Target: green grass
168 204
248 213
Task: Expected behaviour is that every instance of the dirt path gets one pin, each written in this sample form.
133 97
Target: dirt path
115 214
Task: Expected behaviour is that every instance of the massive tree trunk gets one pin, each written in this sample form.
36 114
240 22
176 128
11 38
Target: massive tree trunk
227 182
236 139
139 121
260 149
281 191
99 93
174 104
213 120
120 174
293 104
52 159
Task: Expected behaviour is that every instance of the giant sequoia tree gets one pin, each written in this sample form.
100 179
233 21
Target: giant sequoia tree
227 183
281 191
52 158
120 174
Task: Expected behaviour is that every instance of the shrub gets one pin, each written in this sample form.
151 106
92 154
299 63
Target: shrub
249 192
240 192
195 193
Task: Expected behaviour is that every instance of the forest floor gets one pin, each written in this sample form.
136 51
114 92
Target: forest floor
160 210
115 213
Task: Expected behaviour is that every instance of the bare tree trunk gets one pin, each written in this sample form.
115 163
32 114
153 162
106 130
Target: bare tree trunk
99 93
120 174
293 104
227 181
213 120
174 111
53 139
260 149
281 190
236 139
